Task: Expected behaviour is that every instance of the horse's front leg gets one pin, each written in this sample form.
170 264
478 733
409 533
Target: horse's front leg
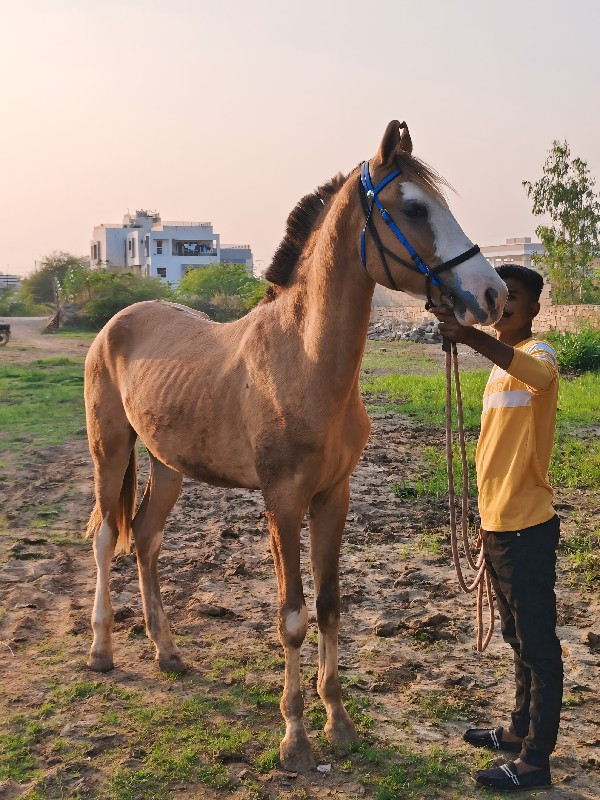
327 519
284 525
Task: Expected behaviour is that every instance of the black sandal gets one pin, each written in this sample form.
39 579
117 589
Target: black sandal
490 738
506 778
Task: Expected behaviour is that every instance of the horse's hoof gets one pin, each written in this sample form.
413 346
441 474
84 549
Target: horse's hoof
295 754
100 663
172 664
341 731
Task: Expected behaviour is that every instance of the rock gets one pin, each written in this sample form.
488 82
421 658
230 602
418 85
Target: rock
323 767
593 641
385 628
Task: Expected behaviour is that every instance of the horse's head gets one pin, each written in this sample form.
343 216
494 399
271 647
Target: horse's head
411 234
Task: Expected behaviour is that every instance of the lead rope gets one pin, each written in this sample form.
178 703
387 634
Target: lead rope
482 576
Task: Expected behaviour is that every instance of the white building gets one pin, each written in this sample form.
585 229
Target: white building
9 282
144 243
517 250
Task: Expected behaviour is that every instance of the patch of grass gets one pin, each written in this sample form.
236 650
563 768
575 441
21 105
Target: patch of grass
424 398
268 760
407 774
432 476
383 358
582 551
17 759
41 403
81 334
576 351
575 462
442 706
430 542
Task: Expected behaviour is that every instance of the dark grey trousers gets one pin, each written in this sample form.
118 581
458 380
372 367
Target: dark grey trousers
522 565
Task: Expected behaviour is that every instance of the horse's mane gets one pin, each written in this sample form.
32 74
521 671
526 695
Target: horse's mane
300 224
303 218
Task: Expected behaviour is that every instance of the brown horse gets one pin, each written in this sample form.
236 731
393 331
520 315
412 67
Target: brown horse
270 402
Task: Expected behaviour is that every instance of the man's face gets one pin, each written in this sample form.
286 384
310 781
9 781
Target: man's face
519 310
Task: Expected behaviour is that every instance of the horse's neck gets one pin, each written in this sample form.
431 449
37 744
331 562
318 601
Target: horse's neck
337 295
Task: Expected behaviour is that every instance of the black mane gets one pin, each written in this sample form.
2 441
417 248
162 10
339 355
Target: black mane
300 224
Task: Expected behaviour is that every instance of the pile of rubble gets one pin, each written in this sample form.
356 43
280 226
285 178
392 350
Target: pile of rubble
425 331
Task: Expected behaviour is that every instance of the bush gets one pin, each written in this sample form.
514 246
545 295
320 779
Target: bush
576 352
223 291
106 293
13 304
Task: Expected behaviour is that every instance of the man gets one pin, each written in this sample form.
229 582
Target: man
519 527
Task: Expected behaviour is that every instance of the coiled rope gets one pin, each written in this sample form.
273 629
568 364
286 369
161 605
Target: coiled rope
481 578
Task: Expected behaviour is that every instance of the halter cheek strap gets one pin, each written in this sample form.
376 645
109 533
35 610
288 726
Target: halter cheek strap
369 196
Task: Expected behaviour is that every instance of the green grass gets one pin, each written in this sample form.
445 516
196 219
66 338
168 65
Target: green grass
576 351
575 461
41 403
441 706
423 398
77 333
383 358
17 759
405 773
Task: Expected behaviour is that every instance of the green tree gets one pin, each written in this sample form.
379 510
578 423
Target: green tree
44 285
223 291
565 194
103 294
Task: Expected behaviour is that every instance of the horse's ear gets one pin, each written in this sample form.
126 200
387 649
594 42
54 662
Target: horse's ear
395 138
405 140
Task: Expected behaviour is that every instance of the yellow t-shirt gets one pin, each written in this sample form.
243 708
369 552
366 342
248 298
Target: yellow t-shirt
517 435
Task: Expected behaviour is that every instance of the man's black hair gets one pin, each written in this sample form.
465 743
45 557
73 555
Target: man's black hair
531 280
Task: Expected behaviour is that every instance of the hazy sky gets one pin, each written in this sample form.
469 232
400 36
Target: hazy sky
231 110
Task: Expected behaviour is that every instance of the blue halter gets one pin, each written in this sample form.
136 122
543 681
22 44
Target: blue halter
369 198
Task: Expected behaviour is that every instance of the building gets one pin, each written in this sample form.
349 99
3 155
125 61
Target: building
9 282
518 250
144 243
515 251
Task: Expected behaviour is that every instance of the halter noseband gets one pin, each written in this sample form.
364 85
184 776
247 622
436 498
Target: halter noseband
369 198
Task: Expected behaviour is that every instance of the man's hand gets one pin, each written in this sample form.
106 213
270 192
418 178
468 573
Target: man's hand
488 346
450 327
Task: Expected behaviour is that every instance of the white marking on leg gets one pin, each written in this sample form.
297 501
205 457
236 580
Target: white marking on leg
102 615
296 622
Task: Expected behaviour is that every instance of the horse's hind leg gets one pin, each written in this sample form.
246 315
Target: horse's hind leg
326 522
284 524
160 496
114 467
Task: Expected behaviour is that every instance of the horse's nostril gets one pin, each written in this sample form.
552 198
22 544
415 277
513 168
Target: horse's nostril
491 296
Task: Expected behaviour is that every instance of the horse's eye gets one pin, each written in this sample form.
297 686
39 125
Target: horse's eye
415 211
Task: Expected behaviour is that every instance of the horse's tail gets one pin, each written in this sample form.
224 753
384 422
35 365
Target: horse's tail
125 509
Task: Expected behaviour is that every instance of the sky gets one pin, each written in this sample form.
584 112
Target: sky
231 111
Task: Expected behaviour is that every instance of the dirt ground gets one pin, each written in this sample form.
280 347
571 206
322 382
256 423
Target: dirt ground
407 631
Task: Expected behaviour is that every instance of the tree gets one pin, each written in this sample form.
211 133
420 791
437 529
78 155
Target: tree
44 285
566 194
224 291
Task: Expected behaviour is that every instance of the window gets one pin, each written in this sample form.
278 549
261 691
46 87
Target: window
159 247
193 248
161 272
147 246
94 252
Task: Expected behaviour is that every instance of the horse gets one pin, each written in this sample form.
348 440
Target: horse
271 402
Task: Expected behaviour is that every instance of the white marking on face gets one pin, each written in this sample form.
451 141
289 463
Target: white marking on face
296 621
474 276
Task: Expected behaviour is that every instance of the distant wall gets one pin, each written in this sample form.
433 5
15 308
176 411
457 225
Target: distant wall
560 318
